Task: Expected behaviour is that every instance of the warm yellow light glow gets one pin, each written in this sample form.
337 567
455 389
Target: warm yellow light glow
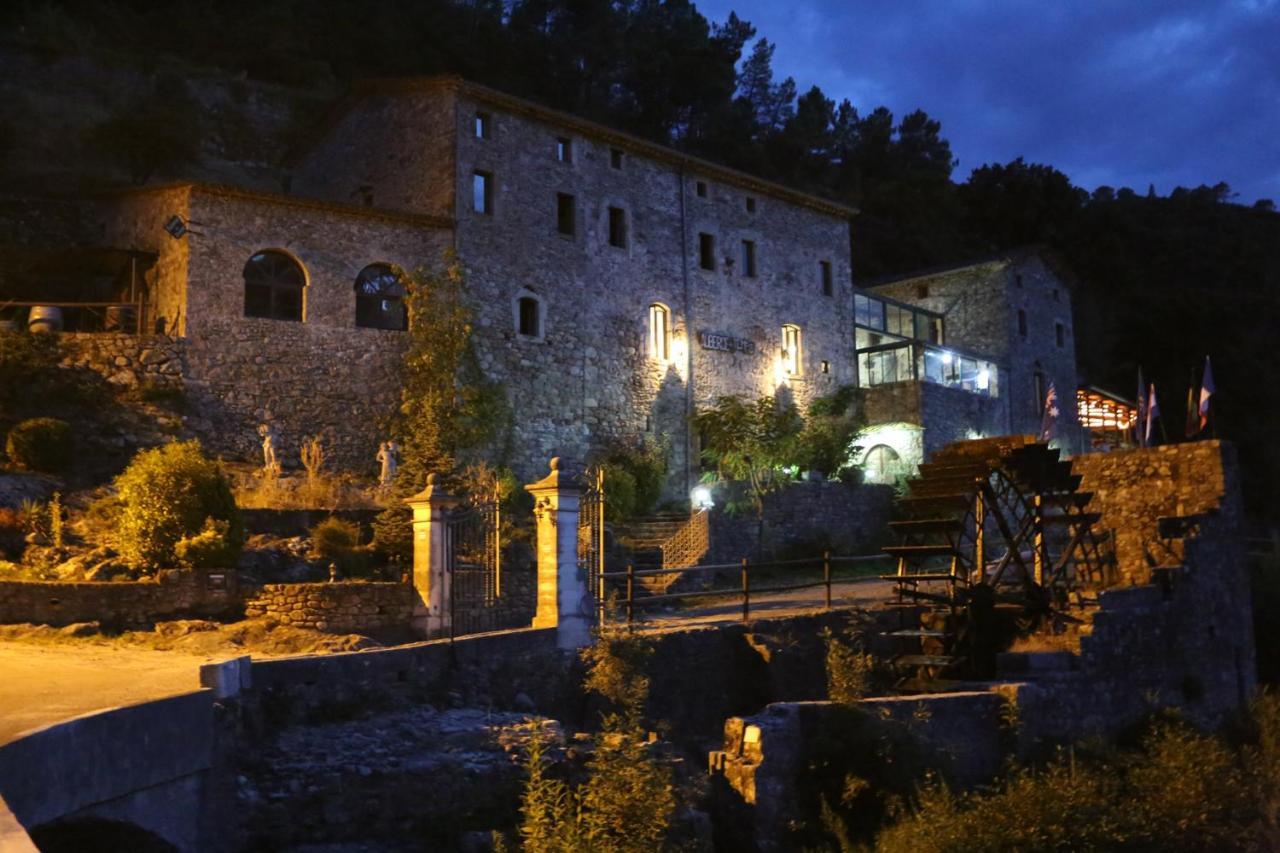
659 332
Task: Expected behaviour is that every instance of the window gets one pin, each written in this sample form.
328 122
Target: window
868 312
826 366
1022 323
482 192
922 291
482 125
273 284
706 251
1060 333
882 465
528 316
751 204
749 258
380 298
615 158
618 227
701 188
566 214
828 286
791 344
1039 389
564 150
659 332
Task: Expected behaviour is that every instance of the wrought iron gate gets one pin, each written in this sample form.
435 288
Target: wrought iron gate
474 565
591 536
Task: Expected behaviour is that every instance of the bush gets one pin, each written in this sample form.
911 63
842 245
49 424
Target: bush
167 494
208 549
25 359
338 542
40 444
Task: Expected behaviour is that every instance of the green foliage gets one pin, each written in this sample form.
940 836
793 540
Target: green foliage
40 444
750 441
634 478
209 549
55 520
450 414
616 670
157 132
168 493
1182 790
850 670
829 430
337 542
26 362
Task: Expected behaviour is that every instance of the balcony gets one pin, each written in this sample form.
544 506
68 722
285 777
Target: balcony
915 361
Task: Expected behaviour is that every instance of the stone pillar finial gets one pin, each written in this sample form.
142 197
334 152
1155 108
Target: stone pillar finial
564 602
430 557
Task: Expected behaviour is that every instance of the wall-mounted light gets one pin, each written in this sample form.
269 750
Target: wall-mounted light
701 498
177 227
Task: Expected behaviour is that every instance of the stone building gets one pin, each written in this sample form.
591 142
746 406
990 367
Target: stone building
617 285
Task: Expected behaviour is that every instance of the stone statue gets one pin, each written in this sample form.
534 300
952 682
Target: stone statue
388 456
270 465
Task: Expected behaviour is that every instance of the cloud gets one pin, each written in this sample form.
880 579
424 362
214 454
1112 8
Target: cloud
1185 92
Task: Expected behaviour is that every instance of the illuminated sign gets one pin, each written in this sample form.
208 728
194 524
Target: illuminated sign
725 343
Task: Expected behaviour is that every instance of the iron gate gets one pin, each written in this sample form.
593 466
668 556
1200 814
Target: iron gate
474 565
591 536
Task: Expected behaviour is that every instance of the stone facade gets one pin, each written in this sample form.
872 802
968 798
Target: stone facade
120 606
345 607
127 360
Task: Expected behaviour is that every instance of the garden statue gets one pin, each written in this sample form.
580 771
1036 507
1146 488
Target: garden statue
270 466
388 457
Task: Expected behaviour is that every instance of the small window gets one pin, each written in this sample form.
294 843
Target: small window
618 227
615 158
529 317
828 286
1022 323
826 366
659 332
482 192
791 346
273 285
482 125
706 251
564 150
701 188
1060 334
566 214
1040 389
751 204
922 291
380 293
749 258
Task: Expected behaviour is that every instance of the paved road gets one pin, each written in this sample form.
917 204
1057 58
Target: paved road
856 593
40 685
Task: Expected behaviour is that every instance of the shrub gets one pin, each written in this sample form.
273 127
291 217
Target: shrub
25 359
334 537
167 494
849 670
40 444
208 549
13 528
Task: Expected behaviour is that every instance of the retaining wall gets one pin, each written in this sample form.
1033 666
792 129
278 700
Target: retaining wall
121 606
345 607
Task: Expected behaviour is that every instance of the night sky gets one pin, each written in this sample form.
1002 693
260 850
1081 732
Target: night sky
1115 92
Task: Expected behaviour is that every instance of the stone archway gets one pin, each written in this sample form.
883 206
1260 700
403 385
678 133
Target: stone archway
881 464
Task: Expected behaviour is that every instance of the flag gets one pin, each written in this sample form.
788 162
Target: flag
1193 418
1049 426
1153 413
1140 425
1206 393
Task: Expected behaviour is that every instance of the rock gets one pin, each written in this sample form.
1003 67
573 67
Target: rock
109 570
15 488
81 629
183 627
123 378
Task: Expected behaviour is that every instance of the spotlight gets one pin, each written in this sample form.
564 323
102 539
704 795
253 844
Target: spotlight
702 498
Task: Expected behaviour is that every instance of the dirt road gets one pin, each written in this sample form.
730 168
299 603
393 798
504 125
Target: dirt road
856 593
42 684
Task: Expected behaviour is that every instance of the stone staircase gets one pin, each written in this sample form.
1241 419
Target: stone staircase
666 542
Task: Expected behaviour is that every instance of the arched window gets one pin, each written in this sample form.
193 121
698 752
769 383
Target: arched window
659 332
273 284
791 349
527 313
380 298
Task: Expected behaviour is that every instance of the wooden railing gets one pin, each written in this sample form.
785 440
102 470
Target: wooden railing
744 568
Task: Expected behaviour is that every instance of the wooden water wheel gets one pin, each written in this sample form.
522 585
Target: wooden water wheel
994 539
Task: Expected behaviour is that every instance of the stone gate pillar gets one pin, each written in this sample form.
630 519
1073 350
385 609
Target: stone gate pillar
563 601
430 557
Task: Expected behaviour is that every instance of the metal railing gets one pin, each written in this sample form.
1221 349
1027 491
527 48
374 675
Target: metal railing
744 567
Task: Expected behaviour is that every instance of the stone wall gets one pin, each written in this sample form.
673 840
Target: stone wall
127 360
805 516
121 606
345 607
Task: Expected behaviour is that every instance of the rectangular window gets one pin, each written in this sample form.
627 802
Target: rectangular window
706 251
922 291
564 150
618 227
615 158
1022 323
566 214
529 325
791 344
826 366
751 204
482 125
701 188
868 312
482 192
749 258
828 286
1060 333
659 334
